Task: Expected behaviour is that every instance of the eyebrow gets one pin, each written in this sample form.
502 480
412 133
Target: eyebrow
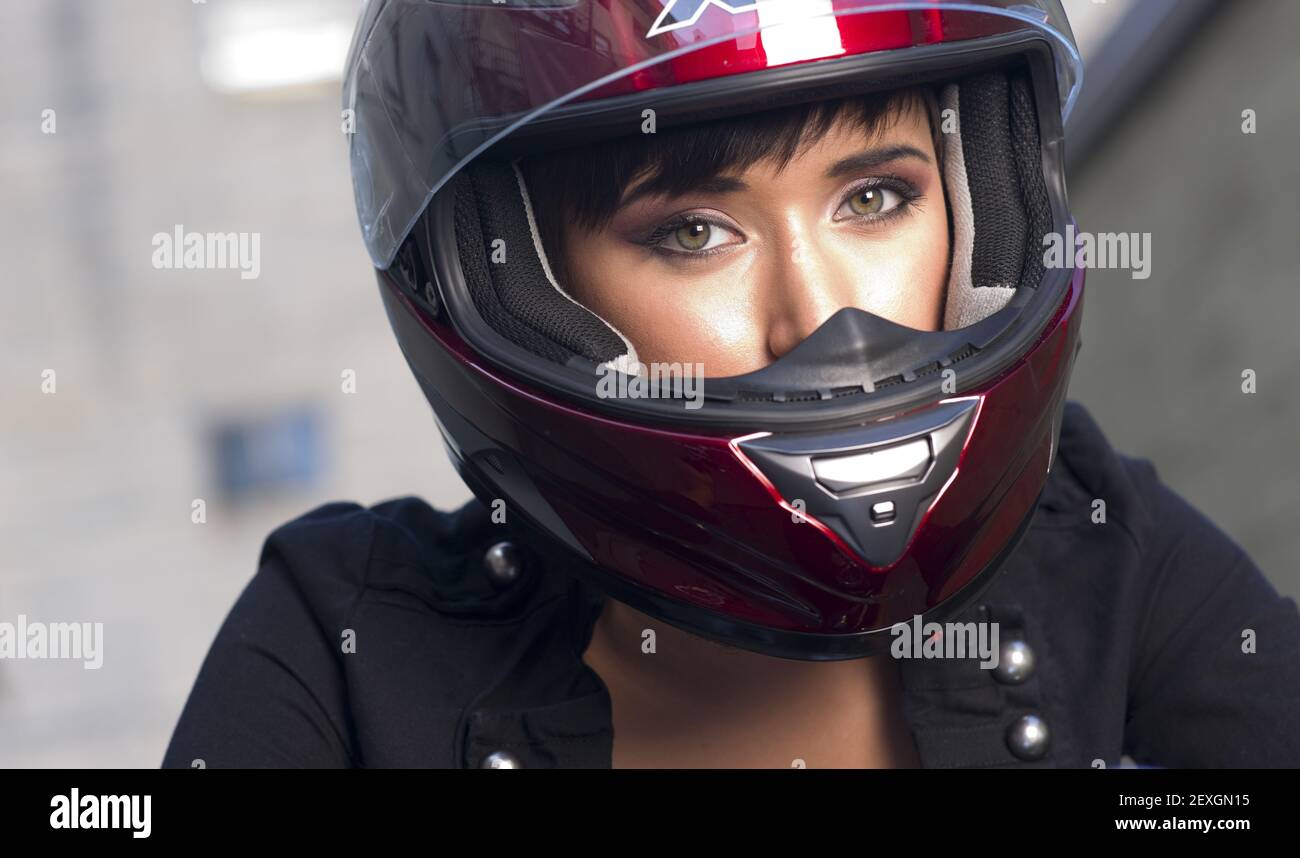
712 185
852 164
874 158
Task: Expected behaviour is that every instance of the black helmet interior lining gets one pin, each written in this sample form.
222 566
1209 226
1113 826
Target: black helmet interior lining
517 294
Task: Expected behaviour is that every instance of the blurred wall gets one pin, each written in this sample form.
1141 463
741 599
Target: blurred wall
99 478
1162 359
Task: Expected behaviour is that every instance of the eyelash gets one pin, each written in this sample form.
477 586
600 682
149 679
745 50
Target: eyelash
908 193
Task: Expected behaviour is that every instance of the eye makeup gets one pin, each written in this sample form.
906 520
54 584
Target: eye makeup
659 239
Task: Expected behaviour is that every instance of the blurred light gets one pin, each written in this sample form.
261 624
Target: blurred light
261 47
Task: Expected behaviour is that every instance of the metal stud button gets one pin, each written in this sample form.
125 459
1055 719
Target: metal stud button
1015 663
1027 737
502 563
501 760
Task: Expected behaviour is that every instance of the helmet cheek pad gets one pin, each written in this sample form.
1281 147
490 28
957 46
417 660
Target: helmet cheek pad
997 197
509 277
809 506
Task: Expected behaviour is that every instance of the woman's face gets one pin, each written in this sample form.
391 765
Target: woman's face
738 271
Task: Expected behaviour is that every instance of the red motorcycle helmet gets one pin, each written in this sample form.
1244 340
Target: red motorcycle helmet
874 472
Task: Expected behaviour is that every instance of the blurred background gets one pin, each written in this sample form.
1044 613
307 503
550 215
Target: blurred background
177 385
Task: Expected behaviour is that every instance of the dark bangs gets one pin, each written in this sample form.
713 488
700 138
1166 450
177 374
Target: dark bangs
585 185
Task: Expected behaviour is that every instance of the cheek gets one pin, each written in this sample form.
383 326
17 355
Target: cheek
671 312
902 277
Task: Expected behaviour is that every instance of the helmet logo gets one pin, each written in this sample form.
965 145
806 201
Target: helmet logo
684 13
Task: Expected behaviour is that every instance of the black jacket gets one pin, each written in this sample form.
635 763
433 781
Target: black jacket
1137 626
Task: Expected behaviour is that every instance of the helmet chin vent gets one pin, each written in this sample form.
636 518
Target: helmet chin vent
871 486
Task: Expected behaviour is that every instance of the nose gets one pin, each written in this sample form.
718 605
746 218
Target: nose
803 286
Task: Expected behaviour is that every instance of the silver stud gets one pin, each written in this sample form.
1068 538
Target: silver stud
501 760
1027 737
502 563
1015 663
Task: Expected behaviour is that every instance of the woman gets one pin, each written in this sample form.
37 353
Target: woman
736 320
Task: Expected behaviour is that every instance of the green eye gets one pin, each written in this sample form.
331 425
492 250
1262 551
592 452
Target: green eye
873 202
694 235
867 201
